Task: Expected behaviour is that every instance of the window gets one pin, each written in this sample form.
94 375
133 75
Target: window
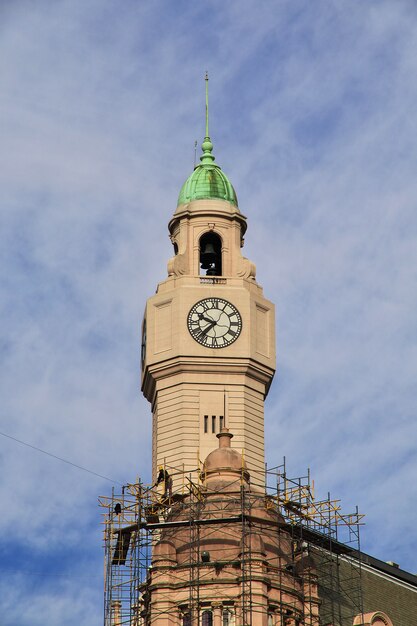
186 619
207 618
210 425
227 617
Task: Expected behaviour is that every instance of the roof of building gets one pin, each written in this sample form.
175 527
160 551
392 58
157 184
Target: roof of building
207 181
225 463
326 543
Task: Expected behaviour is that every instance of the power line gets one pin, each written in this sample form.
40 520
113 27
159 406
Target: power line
75 575
54 456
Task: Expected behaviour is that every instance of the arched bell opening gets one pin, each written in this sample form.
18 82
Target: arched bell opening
211 254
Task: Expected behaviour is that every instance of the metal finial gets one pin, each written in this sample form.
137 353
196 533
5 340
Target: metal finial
207 109
207 157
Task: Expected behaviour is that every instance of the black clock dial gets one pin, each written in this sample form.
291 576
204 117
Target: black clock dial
143 344
214 322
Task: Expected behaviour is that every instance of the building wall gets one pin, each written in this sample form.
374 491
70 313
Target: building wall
394 597
340 582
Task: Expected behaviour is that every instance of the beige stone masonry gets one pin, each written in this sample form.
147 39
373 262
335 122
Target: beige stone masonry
195 390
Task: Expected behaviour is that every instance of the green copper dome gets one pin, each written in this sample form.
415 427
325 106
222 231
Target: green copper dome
207 181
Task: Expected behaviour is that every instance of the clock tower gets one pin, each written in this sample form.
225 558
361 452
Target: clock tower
208 341
208 543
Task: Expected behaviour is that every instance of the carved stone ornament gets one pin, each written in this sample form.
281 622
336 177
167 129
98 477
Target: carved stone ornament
246 269
177 265
376 618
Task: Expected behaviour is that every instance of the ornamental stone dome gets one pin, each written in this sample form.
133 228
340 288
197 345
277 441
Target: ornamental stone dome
225 463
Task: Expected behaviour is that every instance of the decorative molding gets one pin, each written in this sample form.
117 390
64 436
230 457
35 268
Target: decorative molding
246 269
376 618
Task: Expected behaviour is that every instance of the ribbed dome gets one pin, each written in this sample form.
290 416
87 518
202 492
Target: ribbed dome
207 181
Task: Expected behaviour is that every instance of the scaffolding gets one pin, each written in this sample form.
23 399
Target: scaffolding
315 571
332 537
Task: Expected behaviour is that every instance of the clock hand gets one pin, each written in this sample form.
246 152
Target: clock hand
207 328
207 319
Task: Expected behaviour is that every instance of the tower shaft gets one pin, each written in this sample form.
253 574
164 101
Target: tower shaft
209 354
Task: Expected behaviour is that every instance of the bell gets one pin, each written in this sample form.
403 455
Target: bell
207 256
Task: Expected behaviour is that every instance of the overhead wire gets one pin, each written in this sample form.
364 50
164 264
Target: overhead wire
73 575
58 458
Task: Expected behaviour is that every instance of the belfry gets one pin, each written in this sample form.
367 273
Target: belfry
208 347
216 538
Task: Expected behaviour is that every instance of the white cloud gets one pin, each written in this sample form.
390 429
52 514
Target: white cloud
312 117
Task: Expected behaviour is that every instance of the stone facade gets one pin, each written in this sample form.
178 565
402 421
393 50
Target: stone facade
223 554
226 556
196 389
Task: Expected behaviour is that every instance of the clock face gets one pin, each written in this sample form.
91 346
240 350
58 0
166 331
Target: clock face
143 344
214 322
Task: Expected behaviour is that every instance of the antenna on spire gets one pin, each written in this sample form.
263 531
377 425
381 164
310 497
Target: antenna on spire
207 109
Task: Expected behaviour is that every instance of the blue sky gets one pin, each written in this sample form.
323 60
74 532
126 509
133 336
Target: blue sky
313 119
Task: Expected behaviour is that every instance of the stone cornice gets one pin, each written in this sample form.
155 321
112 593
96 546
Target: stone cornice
210 209
198 365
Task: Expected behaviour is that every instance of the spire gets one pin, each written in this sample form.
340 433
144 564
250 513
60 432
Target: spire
207 180
207 110
207 146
